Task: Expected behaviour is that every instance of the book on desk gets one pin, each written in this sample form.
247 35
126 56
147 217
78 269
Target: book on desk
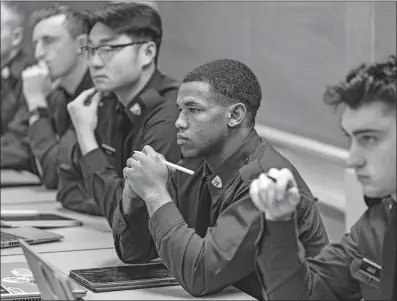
117 278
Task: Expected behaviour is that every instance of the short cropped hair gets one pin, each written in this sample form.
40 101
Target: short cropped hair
232 81
130 18
365 84
16 10
75 21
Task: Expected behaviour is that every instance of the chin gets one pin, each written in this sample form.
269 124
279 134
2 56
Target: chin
374 192
103 88
189 154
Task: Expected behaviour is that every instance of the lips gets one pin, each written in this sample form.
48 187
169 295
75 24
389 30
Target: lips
180 139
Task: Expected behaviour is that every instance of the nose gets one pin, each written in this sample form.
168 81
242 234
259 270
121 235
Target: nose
181 123
356 158
39 51
95 61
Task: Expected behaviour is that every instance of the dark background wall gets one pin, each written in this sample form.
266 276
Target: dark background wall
295 48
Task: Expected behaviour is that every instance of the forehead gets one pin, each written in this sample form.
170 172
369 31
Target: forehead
101 33
195 91
376 116
52 26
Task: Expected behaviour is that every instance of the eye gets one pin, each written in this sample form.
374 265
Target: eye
194 110
368 139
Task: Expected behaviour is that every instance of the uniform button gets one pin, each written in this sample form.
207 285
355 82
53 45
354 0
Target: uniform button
246 160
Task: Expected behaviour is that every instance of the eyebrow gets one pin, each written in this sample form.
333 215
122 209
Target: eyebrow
104 40
362 131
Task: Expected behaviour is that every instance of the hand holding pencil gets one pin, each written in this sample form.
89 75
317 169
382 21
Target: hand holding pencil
147 174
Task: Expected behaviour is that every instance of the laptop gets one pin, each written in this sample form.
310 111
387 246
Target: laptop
10 236
19 281
13 178
53 284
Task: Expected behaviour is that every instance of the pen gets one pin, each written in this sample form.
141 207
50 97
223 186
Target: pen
289 185
172 165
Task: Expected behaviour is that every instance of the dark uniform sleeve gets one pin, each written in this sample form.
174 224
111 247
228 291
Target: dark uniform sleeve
287 275
15 150
44 143
132 238
101 179
71 189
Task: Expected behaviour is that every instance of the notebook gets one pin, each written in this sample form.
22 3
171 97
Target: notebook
17 283
124 277
10 236
52 284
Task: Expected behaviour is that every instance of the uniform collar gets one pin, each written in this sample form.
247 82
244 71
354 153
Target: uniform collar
146 99
226 172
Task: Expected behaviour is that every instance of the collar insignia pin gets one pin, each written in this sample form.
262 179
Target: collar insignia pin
136 109
217 182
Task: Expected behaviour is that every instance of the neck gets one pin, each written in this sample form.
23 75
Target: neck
129 92
71 81
228 146
7 58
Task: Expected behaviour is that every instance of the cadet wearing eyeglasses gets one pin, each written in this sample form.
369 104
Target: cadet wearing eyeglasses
132 105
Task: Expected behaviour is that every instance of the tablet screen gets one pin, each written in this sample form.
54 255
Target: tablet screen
123 273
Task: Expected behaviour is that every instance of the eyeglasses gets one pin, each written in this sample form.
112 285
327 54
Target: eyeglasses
106 52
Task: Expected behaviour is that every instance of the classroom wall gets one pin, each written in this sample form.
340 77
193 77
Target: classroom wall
295 48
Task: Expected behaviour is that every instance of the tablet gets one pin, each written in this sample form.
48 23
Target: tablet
124 277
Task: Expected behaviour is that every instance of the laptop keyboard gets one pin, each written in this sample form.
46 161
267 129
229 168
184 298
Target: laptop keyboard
9 237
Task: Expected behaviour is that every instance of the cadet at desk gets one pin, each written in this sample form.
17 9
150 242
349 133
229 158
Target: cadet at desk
122 52
15 152
57 35
363 264
204 226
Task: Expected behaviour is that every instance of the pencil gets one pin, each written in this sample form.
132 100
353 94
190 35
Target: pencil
289 185
172 165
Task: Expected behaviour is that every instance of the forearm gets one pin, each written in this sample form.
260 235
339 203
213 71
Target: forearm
72 195
132 238
16 155
205 265
283 269
101 182
44 144
86 139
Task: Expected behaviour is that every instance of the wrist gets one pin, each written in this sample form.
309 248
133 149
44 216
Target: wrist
35 102
86 139
156 204
282 218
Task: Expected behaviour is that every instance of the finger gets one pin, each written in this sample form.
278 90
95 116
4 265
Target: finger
131 162
293 196
273 172
265 184
79 100
284 178
96 99
43 67
147 149
138 156
262 190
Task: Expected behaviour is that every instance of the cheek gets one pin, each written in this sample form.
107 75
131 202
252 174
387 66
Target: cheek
210 130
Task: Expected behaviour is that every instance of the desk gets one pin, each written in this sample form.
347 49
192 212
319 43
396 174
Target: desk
27 195
66 261
88 246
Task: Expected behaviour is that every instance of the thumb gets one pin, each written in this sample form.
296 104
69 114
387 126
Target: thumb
96 99
81 99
